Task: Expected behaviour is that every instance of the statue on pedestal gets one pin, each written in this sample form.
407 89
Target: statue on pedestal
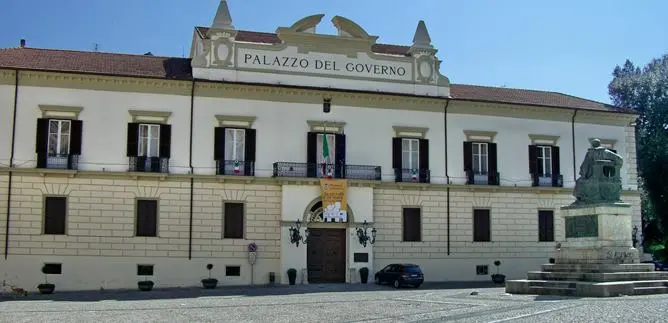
600 181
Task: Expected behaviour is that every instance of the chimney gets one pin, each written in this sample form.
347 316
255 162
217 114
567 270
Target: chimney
23 43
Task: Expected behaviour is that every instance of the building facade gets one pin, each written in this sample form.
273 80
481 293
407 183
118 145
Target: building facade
116 165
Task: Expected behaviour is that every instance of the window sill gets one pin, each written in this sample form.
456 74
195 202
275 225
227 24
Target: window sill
160 176
57 171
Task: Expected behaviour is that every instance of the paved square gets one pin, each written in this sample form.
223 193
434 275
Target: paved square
328 303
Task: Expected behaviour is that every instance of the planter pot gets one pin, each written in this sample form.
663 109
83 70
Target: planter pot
292 276
46 288
364 275
499 278
145 286
209 283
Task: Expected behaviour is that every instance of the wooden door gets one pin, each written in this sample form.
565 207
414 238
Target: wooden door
326 255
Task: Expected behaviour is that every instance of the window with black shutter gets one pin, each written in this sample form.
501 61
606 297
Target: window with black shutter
481 226
147 218
545 225
55 214
233 217
412 225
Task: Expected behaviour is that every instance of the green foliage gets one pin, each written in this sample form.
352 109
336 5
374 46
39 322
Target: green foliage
646 91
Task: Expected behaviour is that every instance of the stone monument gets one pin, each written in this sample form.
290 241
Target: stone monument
598 257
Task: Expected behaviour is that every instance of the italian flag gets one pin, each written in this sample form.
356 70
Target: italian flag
236 167
325 157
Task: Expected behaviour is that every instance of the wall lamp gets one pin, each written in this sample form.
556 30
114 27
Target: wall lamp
364 237
326 104
295 235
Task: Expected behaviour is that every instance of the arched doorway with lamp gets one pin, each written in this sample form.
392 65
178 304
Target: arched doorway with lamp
326 250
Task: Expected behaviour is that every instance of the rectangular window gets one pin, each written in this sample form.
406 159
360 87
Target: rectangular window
544 154
235 144
149 140
234 271
545 225
53 269
147 218
482 270
59 137
144 270
412 224
331 151
481 226
55 214
233 225
480 158
410 153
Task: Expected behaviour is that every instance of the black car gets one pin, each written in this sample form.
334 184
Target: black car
400 275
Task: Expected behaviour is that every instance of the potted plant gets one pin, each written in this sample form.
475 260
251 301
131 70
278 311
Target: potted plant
46 288
209 283
498 278
292 275
364 274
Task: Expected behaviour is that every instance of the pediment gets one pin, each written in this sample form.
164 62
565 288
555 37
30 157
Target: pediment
350 34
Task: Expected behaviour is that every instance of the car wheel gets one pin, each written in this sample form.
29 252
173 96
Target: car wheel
396 284
377 280
418 285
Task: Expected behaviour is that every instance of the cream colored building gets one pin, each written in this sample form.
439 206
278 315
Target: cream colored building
115 161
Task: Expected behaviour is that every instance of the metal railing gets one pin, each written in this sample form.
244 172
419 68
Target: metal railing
148 164
235 168
407 175
489 178
317 170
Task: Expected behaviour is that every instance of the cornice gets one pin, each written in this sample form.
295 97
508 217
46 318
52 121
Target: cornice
7 77
296 181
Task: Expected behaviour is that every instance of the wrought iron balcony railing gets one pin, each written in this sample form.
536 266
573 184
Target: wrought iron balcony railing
60 161
148 164
473 178
315 170
412 175
235 168
548 180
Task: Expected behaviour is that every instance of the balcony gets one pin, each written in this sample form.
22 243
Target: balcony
547 180
235 168
313 170
58 161
405 175
473 178
148 164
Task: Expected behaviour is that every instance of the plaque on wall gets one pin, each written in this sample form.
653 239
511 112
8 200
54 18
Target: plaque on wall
582 226
361 257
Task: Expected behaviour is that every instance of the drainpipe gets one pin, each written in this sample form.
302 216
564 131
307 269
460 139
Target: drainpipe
447 176
573 143
192 173
11 161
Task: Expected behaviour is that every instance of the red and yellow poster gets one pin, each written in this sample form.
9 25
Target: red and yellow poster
334 195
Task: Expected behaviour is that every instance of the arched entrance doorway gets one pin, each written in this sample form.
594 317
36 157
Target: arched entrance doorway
326 250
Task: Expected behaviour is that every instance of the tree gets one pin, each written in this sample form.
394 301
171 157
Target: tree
646 91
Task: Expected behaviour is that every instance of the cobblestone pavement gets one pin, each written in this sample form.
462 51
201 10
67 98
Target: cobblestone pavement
328 303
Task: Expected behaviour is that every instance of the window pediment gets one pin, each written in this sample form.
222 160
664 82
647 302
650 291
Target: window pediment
235 121
150 116
410 132
607 143
60 111
480 135
326 126
549 140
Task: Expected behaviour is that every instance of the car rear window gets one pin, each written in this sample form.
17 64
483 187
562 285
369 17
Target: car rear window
412 269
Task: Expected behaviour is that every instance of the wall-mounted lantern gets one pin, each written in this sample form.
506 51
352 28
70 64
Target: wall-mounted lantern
326 104
295 235
364 237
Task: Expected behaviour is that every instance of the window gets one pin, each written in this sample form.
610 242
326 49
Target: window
328 156
235 144
482 270
147 218
410 153
480 158
544 155
481 226
233 271
233 225
412 224
53 269
144 270
149 140
55 214
545 225
59 137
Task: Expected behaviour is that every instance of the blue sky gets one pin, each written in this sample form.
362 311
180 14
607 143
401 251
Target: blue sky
565 46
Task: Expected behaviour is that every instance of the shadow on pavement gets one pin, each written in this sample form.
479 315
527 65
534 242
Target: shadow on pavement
248 291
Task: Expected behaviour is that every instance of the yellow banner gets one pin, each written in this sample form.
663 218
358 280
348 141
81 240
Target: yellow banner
334 195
